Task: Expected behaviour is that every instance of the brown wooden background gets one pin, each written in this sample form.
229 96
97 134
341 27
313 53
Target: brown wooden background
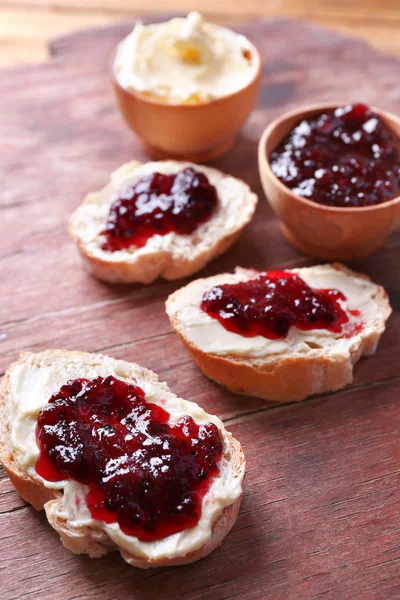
28 25
321 511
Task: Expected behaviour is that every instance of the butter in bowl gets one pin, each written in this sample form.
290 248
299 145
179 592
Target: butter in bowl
185 86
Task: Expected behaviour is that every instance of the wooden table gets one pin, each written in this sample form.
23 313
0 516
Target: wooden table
28 25
321 511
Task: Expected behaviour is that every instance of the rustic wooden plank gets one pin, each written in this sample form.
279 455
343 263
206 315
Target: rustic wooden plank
28 25
26 30
368 9
321 508
9 500
320 516
384 36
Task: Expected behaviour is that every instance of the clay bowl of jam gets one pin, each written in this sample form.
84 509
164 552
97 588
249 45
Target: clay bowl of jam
332 175
197 131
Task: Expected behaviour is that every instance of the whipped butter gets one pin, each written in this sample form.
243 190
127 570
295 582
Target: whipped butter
185 60
32 384
210 336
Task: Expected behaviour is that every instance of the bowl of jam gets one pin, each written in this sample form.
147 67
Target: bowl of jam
332 175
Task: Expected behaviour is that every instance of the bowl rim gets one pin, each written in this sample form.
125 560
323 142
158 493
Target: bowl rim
157 102
264 163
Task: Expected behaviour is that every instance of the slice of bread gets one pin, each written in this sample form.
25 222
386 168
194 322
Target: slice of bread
170 256
25 390
303 364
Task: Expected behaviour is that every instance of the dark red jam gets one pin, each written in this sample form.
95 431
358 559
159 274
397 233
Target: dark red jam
159 204
142 472
273 302
344 157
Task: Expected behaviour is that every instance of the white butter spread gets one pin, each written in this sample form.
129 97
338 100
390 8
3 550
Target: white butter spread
185 60
33 383
210 336
236 204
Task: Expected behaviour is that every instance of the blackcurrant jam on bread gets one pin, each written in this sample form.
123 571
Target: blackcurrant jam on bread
163 219
158 204
345 157
117 460
280 335
273 302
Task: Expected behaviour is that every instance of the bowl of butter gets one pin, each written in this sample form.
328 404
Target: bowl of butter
185 86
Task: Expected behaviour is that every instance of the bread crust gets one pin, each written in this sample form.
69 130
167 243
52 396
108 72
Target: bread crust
88 540
285 378
149 267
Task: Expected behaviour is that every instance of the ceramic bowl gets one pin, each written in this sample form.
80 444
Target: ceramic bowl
332 233
196 132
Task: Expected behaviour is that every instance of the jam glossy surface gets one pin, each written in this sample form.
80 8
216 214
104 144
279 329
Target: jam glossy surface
345 157
273 302
159 204
142 472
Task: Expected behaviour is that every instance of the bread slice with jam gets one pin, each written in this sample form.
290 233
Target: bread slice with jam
160 219
116 460
280 335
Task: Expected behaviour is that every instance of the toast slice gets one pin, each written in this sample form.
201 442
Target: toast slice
170 256
25 390
304 363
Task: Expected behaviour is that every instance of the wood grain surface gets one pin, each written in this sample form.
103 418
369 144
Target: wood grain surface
321 510
28 25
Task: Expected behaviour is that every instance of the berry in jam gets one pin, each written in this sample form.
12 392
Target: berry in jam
158 204
142 472
345 157
273 302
